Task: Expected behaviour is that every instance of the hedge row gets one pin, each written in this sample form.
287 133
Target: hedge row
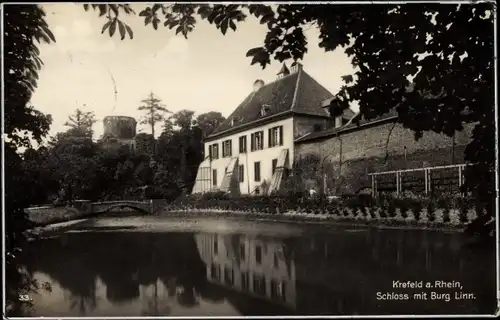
444 209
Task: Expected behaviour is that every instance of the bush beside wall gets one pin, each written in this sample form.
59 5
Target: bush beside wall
449 210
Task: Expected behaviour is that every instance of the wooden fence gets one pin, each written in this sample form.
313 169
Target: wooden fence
428 180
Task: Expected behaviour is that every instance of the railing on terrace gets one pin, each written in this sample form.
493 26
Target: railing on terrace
427 179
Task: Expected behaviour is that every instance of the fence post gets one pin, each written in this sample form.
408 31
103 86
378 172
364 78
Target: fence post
429 181
373 185
398 183
459 176
425 181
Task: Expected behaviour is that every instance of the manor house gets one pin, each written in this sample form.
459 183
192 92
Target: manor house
284 124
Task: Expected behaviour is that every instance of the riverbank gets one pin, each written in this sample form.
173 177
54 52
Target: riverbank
454 215
47 215
130 222
322 219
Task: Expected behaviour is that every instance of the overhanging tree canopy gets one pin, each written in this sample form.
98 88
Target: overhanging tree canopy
443 52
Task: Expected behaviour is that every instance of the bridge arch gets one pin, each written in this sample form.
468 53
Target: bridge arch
122 206
144 207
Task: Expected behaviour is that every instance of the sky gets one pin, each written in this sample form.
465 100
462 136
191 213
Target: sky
206 72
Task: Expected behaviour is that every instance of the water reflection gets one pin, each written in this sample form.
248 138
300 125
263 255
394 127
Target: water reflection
184 274
120 274
262 268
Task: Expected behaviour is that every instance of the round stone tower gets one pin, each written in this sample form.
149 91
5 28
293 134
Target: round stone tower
119 130
120 127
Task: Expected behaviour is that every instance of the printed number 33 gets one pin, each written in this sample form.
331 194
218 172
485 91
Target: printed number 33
24 297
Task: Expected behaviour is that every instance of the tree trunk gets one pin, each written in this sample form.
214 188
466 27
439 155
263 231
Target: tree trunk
152 124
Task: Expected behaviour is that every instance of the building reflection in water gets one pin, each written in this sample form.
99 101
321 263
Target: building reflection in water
122 274
338 272
261 268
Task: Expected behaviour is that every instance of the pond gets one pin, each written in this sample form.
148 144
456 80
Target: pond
208 267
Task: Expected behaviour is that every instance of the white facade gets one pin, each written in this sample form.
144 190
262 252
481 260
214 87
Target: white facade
254 267
212 171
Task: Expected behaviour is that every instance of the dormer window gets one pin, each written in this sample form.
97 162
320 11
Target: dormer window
232 122
264 110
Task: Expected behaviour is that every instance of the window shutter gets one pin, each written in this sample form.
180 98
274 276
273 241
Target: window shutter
252 141
270 138
281 135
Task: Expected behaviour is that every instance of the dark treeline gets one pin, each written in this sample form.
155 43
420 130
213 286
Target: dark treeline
72 166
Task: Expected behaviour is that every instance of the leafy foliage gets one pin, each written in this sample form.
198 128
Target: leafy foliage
208 122
24 27
112 12
432 63
180 147
155 111
81 123
74 167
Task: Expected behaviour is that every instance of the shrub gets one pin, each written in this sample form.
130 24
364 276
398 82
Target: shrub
296 202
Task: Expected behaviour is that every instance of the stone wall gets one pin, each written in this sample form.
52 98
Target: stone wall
49 214
303 125
343 162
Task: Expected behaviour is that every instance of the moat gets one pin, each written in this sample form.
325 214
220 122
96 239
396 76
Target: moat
146 266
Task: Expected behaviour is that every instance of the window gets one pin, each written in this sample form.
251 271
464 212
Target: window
264 110
258 254
275 136
259 285
275 163
215 272
278 290
228 276
216 247
213 151
214 177
226 148
243 144
276 261
241 173
242 252
256 169
257 139
245 281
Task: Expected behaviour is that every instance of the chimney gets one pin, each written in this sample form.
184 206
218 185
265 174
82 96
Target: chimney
296 67
338 121
257 85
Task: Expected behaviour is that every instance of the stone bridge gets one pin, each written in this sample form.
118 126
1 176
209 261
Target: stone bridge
81 208
145 207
